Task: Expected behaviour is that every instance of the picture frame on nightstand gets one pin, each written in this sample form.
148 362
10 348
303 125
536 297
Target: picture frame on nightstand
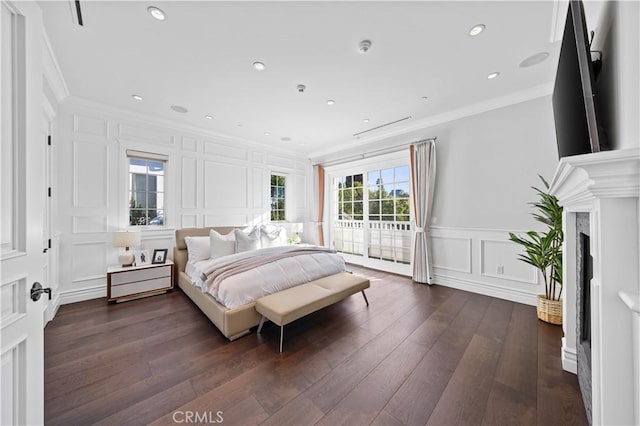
159 256
143 257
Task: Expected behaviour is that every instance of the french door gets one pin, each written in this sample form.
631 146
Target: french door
370 213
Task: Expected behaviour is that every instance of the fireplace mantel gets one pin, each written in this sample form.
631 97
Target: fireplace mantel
607 186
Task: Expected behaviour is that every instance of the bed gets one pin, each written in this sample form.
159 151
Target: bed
234 322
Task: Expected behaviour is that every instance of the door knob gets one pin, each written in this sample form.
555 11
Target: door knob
37 290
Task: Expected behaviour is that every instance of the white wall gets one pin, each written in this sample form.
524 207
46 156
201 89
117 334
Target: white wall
618 37
486 164
211 182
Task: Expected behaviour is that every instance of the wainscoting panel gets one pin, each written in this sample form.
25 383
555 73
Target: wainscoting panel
90 168
189 144
88 260
257 189
452 253
496 260
258 157
225 186
90 125
189 220
224 151
145 134
483 261
189 183
230 219
90 224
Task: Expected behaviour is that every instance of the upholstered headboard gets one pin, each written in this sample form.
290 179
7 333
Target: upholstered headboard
180 250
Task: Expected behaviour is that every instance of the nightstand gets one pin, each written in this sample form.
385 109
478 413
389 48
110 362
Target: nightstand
133 282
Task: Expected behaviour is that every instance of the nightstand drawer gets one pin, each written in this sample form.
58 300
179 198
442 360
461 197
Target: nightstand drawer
141 286
139 275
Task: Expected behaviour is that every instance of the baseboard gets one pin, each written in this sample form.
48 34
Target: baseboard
82 294
513 295
569 358
52 310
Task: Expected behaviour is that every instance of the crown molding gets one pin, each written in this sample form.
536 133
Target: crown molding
514 98
176 126
51 69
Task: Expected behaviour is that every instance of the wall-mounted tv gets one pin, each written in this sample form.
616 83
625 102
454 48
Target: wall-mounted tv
574 102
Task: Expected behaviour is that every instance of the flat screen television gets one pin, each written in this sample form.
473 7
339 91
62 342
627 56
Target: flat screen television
574 102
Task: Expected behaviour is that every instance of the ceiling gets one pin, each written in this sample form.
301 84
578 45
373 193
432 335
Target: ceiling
201 58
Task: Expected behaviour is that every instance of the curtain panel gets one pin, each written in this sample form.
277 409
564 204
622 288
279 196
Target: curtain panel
318 171
423 173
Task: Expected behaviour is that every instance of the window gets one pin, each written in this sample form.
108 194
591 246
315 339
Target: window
146 188
278 198
371 214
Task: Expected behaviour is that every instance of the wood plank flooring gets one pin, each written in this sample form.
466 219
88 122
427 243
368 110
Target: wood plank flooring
416 355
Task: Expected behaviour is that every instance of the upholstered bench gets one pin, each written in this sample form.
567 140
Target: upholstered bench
288 305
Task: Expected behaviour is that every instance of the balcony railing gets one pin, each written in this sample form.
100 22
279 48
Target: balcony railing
387 240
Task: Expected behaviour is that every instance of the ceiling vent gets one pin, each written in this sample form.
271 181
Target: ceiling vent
381 126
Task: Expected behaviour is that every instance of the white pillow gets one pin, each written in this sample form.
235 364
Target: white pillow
273 236
246 241
222 245
198 248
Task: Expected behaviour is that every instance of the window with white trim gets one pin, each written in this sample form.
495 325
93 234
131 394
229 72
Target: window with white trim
371 214
147 188
278 198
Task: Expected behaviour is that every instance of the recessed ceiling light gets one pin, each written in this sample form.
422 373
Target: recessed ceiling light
259 66
178 108
208 117
366 120
476 30
267 133
156 13
331 102
137 97
534 59
424 98
493 75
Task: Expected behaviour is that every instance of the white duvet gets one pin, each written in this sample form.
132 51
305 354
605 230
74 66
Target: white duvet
250 285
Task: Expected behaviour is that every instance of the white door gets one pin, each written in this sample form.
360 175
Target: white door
22 184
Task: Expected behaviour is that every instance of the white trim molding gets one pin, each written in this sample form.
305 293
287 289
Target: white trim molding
52 71
607 186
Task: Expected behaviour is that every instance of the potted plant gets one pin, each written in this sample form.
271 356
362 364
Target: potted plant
544 251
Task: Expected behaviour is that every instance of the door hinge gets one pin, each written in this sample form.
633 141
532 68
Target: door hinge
49 191
49 243
49 140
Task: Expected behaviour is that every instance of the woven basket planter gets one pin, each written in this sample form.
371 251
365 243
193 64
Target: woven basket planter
549 310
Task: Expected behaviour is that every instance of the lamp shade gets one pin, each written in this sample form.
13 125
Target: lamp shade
126 238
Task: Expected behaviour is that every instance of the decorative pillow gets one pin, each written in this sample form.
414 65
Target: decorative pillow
246 241
222 245
198 248
273 236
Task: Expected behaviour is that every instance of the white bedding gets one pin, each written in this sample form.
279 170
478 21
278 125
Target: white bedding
250 285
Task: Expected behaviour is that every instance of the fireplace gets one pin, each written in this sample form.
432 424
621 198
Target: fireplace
600 194
584 273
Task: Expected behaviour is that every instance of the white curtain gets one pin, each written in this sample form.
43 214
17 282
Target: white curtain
423 174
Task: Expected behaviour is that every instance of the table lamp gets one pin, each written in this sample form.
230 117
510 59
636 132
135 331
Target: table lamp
126 239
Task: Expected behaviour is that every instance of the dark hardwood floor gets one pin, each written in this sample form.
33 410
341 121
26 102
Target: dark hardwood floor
416 355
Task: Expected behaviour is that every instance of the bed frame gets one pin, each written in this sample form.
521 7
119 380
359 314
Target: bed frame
233 323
